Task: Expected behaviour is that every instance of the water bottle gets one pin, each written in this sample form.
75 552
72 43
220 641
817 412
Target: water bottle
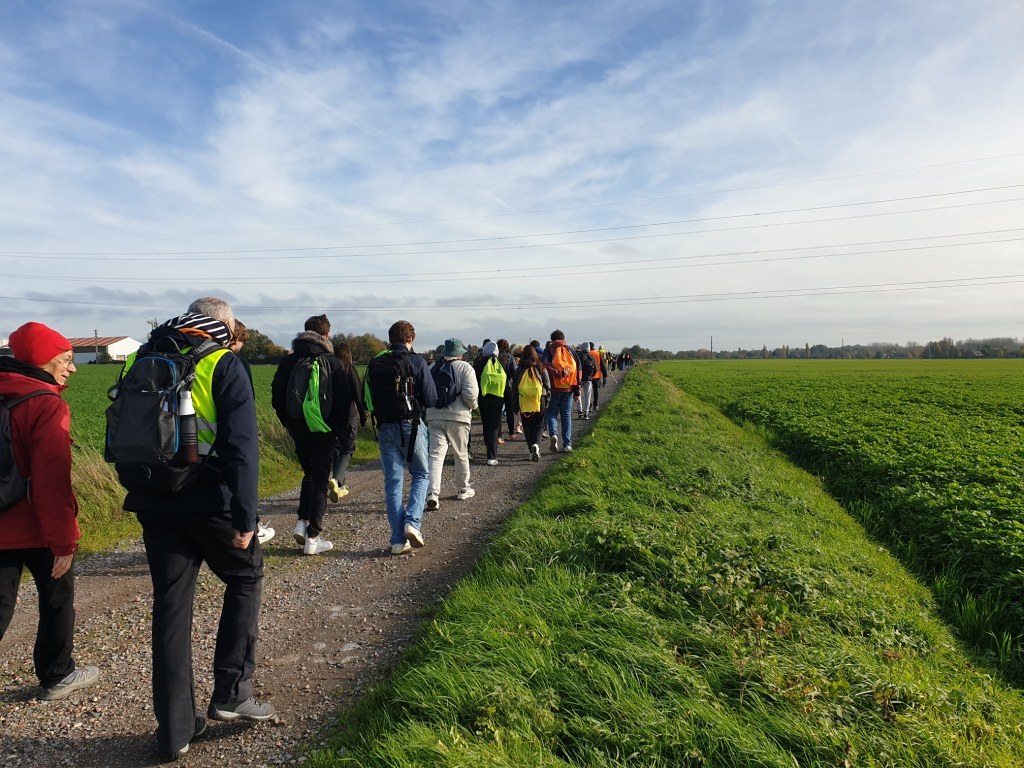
188 439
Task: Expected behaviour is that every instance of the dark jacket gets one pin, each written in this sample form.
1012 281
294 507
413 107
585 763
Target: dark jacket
231 481
310 344
357 414
41 436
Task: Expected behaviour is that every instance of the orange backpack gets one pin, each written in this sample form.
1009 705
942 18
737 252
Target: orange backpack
563 368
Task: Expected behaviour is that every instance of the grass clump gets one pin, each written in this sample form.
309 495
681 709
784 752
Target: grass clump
677 594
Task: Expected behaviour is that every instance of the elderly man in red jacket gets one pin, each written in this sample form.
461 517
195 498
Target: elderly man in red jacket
40 531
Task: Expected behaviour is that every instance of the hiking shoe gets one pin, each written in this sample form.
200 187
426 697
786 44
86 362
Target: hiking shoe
492 462
336 492
465 494
431 504
535 452
177 754
299 534
413 535
82 677
315 545
264 533
401 549
554 444
250 709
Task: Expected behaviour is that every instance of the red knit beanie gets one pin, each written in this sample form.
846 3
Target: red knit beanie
37 344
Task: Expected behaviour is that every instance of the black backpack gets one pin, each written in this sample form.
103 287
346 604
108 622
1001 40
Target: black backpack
298 389
443 374
389 388
13 487
144 425
588 366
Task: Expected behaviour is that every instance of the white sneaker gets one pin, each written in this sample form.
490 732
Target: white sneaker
264 532
82 677
299 534
568 449
465 493
401 549
535 452
413 535
492 462
315 545
431 504
554 444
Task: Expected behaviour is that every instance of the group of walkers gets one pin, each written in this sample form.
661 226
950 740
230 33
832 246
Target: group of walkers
420 412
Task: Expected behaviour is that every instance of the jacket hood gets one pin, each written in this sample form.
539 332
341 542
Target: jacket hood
310 343
18 378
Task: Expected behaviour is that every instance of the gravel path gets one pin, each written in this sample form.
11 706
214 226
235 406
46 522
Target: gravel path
330 626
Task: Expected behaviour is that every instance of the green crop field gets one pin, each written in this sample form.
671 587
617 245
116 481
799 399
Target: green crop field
926 453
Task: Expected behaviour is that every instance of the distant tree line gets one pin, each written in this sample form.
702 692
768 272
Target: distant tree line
944 348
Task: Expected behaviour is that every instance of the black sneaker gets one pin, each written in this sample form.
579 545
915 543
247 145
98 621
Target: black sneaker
250 709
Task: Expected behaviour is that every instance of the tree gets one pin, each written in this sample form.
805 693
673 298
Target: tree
260 349
362 347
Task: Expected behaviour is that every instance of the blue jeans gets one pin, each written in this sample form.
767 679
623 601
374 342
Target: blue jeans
560 405
393 441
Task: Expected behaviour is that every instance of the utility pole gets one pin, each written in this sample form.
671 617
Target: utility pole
96 346
712 347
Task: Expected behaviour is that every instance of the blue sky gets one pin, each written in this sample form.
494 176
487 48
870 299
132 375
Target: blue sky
650 172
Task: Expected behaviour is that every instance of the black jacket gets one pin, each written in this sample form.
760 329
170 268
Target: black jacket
310 344
237 456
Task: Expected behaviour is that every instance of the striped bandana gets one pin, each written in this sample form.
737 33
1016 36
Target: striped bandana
201 325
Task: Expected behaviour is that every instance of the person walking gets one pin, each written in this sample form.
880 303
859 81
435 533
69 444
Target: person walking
532 386
450 424
587 371
337 488
315 439
397 387
212 521
40 530
492 377
564 370
600 377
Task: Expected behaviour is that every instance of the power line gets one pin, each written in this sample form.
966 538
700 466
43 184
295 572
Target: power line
765 256
318 251
916 285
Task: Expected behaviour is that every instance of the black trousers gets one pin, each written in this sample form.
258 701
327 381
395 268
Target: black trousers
176 546
490 415
55 633
532 423
316 451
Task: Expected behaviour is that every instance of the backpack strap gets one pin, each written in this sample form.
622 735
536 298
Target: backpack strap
19 400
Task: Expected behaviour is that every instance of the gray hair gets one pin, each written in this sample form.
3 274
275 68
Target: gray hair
216 308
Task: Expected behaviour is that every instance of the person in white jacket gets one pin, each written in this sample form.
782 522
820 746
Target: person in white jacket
449 426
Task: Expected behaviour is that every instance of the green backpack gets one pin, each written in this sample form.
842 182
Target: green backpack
493 377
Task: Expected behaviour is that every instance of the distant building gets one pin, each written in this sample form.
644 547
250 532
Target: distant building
116 347
86 347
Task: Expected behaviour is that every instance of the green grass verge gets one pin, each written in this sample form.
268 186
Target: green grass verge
104 524
677 594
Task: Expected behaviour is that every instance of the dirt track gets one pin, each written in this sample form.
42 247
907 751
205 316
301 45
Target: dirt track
330 625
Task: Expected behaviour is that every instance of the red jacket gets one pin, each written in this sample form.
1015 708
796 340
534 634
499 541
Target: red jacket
41 430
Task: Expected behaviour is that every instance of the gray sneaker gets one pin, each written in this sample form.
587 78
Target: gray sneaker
82 677
250 709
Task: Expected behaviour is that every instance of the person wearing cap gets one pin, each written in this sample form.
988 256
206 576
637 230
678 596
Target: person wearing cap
214 521
449 426
40 531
